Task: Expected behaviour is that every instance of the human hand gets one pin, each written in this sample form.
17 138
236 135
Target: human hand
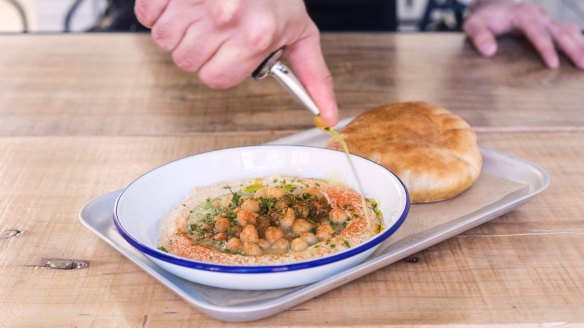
223 41
492 18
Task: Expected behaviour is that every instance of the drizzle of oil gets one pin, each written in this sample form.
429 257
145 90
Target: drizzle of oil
339 138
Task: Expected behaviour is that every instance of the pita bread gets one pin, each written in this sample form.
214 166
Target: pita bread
433 151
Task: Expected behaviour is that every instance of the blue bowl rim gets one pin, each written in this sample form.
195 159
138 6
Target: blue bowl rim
192 264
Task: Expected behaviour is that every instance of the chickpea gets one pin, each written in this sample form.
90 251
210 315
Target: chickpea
270 192
280 246
302 210
226 200
233 244
249 234
251 205
288 219
317 205
245 217
274 233
262 223
264 244
309 238
282 204
261 193
216 203
221 224
310 190
243 197
338 215
300 225
236 230
324 231
298 245
220 236
251 249
276 192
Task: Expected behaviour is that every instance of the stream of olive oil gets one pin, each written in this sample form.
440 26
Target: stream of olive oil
338 138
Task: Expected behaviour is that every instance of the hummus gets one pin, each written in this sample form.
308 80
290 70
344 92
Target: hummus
271 220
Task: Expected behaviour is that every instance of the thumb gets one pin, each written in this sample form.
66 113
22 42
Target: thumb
482 38
306 58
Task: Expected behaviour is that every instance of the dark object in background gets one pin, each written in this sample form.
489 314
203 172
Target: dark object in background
118 17
329 15
353 15
458 10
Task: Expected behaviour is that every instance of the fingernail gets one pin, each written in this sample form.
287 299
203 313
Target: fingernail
554 62
580 63
331 117
488 49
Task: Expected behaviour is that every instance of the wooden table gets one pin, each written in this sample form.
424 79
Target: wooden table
82 115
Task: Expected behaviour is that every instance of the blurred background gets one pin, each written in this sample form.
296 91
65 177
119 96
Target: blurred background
55 16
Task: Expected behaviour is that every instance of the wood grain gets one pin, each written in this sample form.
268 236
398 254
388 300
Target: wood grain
96 84
524 267
83 115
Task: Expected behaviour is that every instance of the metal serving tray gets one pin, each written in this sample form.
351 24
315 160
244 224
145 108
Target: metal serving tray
234 305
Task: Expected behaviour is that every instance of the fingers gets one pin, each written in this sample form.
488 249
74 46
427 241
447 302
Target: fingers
224 41
482 38
241 54
543 32
197 46
224 49
530 20
570 40
307 59
148 11
170 28
227 67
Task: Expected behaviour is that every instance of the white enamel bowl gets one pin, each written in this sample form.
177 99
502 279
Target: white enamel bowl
141 206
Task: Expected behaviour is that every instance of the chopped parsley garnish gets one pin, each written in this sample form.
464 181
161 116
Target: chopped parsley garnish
228 188
162 248
198 229
214 222
346 243
235 196
231 217
235 199
267 205
375 207
307 196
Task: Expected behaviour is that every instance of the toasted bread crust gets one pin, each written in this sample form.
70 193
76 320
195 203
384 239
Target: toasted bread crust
433 151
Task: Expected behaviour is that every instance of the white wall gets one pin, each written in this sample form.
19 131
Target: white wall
10 19
565 10
49 15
